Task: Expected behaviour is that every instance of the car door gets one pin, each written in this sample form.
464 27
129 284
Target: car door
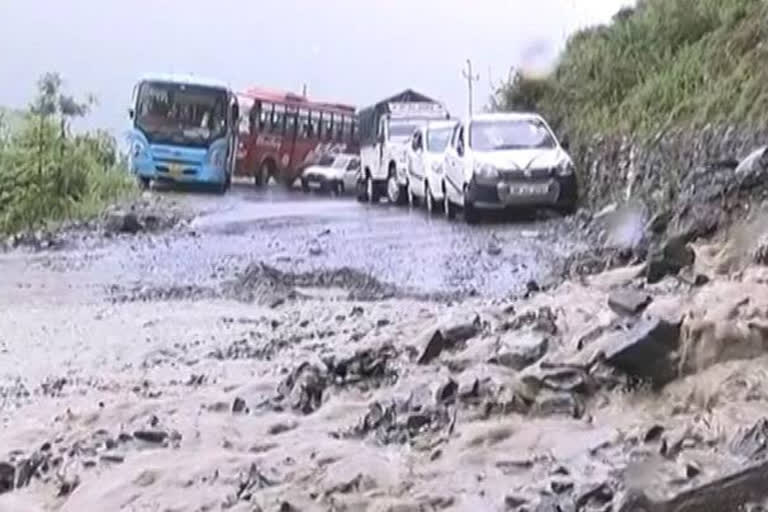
454 168
419 169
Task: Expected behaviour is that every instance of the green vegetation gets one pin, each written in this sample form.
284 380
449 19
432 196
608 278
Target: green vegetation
47 174
664 63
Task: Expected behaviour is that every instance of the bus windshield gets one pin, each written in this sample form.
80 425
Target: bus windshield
181 114
401 131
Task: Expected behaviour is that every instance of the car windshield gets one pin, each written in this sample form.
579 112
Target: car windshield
179 113
438 138
326 161
510 134
340 162
401 131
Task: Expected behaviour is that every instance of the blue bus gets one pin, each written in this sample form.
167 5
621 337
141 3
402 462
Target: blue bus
183 130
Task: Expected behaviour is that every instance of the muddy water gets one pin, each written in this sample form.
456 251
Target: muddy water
234 368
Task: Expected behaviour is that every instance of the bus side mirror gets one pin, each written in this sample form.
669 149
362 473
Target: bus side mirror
235 112
131 113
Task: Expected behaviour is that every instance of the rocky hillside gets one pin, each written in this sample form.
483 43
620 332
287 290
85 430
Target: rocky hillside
666 88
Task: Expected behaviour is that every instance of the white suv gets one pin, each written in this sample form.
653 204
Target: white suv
498 161
426 154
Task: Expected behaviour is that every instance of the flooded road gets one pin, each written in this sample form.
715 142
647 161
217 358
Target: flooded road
403 247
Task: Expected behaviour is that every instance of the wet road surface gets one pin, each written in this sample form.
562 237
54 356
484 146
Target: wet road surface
300 233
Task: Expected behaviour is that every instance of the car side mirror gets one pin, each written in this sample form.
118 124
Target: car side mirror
131 113
565 143
460 149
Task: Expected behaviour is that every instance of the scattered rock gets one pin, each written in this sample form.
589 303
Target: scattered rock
7 477
752 442
628 302
674 255
647 351
238 406
518 351
151 436
122 222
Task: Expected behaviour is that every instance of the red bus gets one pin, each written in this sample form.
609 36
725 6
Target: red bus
281 133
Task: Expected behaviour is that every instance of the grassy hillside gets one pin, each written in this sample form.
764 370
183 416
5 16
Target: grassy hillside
664 63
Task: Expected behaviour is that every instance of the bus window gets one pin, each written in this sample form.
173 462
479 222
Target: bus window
341 121
290 121
278 120
265 117
329 120
304 126
253 117
353 134
315 124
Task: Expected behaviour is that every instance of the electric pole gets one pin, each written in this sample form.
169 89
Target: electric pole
467 73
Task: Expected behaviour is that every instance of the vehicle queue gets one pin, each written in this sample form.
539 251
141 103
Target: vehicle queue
406 148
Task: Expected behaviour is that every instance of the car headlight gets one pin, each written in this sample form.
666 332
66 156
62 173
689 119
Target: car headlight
218 157
486 171
437 167
565 168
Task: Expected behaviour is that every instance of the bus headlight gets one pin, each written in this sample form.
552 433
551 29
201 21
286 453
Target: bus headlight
138 149
218 157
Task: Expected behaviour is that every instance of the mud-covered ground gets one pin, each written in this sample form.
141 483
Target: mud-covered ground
276 352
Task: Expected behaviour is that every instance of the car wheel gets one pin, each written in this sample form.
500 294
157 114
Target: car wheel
361 187
370 191
396 193
471 213
305 186
449 210
340 189
144 183
429 199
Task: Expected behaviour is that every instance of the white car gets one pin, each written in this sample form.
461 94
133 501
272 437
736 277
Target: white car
497 161
332 173
426 155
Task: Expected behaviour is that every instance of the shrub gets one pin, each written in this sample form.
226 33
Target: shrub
46 174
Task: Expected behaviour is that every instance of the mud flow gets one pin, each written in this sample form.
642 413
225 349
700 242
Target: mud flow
268 352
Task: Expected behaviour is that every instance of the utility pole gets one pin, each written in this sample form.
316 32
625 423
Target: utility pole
467 73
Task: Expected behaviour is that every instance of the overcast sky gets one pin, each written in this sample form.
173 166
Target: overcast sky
352 51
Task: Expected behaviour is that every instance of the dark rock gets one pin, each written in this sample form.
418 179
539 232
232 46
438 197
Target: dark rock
518 352
123 222
151 436
558 404
673 256
561 486
447 392
730 492
304 388
68 485
112 458
594 495
659 222
7 477
654 434
752 442
433 348
628 302
238 405
647 351
692 470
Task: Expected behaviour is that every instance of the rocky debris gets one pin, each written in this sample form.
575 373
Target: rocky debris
518 351
648 351
35 240
239 406
151 436
730 492
628 302
304 387
752 442
447 336
7 477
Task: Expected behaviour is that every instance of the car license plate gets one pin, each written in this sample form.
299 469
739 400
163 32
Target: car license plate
314 184
532 189
175 170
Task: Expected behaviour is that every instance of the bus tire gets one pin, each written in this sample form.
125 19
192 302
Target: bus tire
371 190
144 182
261 178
